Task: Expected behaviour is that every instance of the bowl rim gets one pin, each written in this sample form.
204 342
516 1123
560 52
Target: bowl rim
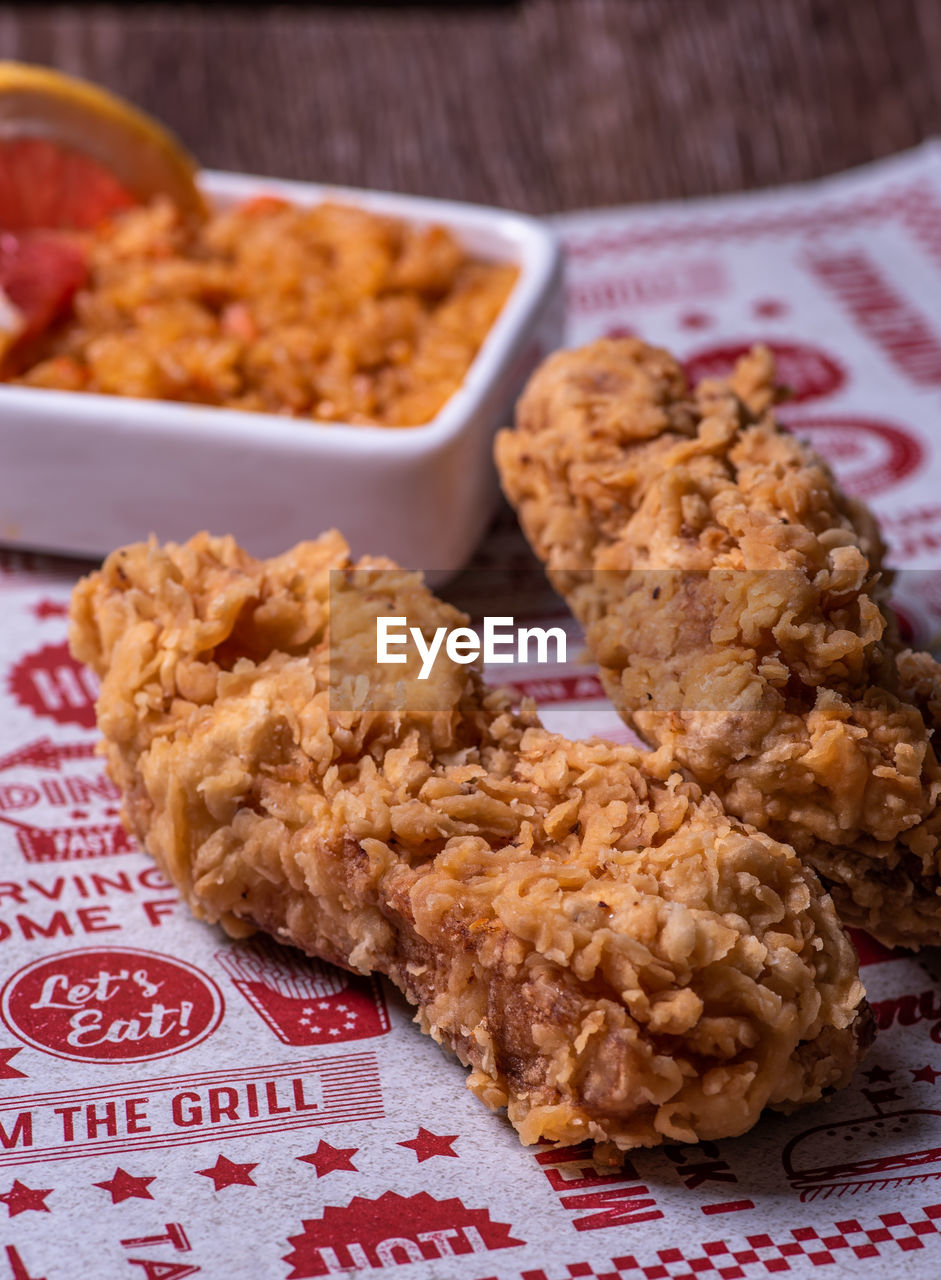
531 244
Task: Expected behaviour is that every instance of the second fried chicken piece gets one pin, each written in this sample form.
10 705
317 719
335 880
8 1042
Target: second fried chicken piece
730 594
615 958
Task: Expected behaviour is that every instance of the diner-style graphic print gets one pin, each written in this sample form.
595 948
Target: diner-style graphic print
175 1102
110 1004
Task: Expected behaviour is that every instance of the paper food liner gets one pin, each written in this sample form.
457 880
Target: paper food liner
175 1103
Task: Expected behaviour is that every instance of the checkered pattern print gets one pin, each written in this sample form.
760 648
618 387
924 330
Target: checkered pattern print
858 212
890 1236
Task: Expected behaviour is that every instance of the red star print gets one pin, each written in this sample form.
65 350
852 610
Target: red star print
770 308
124 1186
50 609
878 1075
327 1159
6 1071
226 1173
20 1199
428 1144
695 320
928 1074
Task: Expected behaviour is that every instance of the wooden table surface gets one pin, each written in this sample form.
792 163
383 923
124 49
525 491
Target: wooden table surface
541 105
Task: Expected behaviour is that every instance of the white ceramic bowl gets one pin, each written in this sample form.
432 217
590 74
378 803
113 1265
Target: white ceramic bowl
85 473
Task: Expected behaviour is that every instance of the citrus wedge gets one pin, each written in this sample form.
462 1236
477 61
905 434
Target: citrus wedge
39 276
71 154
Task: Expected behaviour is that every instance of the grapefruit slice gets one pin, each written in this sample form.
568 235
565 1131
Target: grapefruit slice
39 275
72 154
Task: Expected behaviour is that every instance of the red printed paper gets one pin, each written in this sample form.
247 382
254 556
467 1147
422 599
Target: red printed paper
176 1103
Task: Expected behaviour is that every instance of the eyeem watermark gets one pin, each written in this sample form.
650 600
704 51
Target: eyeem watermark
499 641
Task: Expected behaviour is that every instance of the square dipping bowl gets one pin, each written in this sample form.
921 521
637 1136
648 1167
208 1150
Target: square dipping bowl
84 473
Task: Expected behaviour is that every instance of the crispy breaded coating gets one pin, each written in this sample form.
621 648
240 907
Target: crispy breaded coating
732 597
614 957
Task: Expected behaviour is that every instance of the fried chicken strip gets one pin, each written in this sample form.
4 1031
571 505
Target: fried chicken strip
732 597
614 957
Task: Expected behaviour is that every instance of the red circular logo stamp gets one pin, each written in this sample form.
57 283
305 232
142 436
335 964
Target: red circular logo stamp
51 683
806 371
868 455
111 1004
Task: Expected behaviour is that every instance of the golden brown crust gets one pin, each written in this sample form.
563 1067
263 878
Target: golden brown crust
614 957
732 596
